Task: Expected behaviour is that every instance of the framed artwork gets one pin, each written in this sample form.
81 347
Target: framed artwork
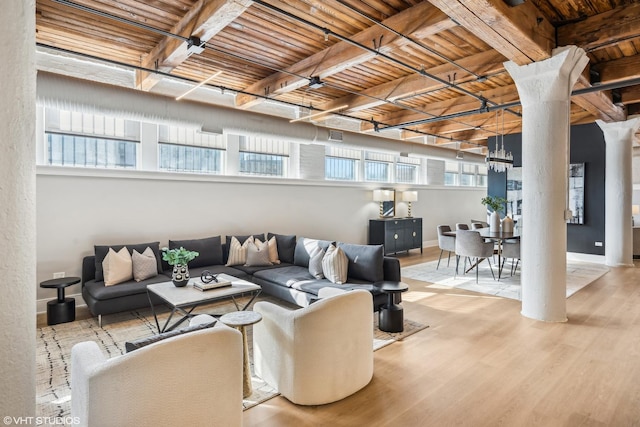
514 193
576 193
389 207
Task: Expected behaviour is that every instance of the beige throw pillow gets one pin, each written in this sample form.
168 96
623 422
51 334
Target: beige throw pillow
274 258
335 265
315 263
238 252
258 254
145 264
117 267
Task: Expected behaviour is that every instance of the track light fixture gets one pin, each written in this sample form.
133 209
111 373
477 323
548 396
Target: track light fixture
315 82
195 45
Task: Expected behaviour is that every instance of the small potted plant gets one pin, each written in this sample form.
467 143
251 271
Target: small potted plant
496 204
179 259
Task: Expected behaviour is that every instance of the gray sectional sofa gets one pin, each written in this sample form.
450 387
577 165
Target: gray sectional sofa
290 280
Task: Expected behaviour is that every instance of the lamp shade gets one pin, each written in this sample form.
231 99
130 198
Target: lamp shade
635 210
382 195
410 196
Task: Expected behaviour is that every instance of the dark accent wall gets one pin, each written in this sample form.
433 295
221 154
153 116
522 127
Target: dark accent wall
588 147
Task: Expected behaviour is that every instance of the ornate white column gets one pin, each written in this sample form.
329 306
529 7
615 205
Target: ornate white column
545 92
618 233
17 209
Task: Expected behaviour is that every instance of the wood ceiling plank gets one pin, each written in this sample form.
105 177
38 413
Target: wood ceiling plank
207 18
604 29
520 33
418 20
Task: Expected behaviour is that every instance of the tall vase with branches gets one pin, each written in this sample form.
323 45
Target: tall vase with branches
497 205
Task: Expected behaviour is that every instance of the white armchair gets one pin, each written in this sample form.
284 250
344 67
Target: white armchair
192 379
317 354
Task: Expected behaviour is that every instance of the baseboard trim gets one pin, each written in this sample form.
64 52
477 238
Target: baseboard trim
575 256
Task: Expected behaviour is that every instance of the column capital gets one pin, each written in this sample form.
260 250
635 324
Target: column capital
551 79
619 131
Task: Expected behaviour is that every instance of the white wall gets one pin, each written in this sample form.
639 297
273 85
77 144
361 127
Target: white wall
77 209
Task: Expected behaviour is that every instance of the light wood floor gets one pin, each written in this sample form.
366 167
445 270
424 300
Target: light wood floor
481 363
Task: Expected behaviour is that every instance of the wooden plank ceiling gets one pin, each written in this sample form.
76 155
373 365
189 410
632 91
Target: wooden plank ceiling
427 68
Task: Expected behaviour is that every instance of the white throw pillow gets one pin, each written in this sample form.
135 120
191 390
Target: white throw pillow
238 252
335 265
117 267
315 263
258 254
145 264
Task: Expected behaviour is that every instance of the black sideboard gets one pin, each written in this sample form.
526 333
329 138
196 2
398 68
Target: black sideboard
396 234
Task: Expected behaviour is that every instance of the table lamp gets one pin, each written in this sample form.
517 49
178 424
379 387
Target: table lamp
409 196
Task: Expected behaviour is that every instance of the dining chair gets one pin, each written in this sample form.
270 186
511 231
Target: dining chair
484 223
462 226
446 243
471 245
477 225
511 249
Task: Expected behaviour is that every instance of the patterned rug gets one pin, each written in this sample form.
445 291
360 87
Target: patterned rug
579 275
54 343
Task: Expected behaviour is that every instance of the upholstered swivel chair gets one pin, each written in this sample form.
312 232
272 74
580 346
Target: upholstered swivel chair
446 243
317 354
511 249
193 379
471 245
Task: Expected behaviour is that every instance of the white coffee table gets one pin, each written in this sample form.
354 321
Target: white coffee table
186 299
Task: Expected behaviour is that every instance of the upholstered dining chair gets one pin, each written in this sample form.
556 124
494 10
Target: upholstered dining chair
446 243
477 225
511 249
471 245
317 354
462 226
484 223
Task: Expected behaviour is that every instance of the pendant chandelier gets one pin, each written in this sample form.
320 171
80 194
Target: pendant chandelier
499 160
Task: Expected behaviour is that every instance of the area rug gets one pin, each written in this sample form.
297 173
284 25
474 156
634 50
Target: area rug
54 343
579 275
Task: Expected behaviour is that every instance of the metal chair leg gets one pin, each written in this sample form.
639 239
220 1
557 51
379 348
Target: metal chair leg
491 268
448 257
438 266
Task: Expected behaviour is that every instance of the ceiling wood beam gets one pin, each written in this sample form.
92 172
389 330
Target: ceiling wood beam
620 69
630 95
450 106
483 63
204 20
602 30
417 22
520 33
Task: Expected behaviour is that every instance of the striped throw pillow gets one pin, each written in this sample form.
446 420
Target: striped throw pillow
238 252
335 265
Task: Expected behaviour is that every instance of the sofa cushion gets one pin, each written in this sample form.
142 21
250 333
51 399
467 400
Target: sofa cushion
117 267
365 261
216 269
313 286
284 276
286 246
142 342
210 249
241 239
101 292
304 247
102 250
335 265
145 265
250 271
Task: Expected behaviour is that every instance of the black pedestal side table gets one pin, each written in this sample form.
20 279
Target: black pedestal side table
63 309
391 314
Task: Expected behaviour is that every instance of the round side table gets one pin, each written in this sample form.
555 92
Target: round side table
240 320
63 309
391 317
